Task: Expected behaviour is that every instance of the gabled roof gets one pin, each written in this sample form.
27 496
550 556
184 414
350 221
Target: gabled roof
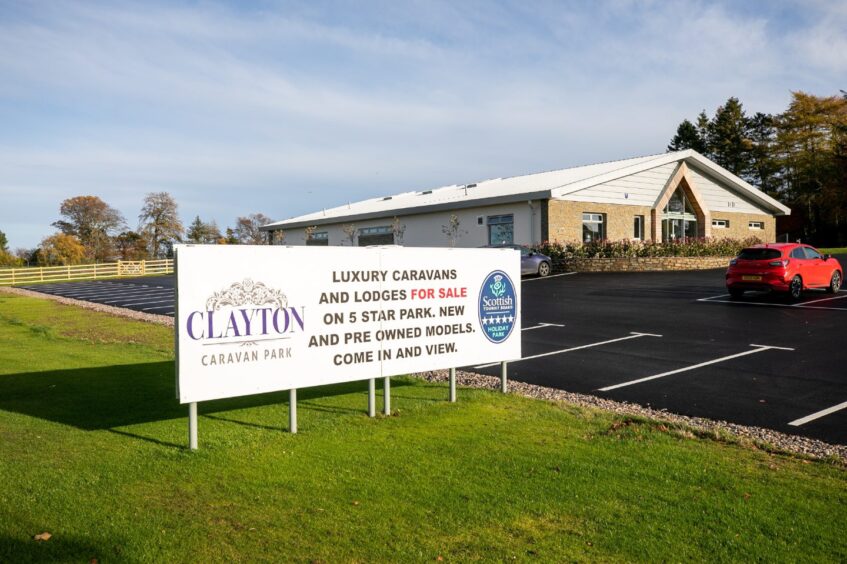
543 185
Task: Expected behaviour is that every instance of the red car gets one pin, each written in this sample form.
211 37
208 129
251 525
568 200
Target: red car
782 267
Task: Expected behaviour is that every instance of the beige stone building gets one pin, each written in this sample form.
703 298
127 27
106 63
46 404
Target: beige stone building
658 197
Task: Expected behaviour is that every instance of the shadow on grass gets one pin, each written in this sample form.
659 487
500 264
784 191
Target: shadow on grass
117 396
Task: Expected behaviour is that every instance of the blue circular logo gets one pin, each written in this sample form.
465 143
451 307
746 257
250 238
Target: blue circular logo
498 306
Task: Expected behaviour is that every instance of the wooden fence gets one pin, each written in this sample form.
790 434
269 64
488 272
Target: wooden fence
12 276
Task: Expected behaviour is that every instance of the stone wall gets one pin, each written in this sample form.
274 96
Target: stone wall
739 226
564 221
639 264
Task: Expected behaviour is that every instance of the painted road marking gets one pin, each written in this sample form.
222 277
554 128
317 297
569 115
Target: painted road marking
818 414
542 326
802 305
632 335
149 302
548 277
756 349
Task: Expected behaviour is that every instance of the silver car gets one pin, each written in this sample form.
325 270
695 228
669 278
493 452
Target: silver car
532 262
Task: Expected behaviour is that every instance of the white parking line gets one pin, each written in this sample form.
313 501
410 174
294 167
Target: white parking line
818 414
803 305
757 349
548 277
542 326
150 302
630 336
157 307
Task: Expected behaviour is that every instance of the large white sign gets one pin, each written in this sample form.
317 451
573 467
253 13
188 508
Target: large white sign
253 319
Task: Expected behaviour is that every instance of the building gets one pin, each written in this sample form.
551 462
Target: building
659 197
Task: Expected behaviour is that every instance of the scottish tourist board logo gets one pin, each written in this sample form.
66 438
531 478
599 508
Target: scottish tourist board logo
498 306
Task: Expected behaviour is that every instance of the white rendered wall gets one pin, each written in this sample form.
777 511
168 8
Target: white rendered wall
425 230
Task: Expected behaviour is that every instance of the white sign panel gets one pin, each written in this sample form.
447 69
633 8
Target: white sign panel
253 319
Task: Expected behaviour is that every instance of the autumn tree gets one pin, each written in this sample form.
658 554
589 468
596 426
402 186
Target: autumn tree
202 233
131 245
61 249
93 222
7 258
247 229
159 223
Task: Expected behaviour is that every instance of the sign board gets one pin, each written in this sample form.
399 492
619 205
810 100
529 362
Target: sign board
253 319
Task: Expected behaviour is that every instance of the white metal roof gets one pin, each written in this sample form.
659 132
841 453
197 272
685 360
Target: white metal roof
552 184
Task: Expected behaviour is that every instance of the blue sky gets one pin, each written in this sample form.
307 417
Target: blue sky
284 108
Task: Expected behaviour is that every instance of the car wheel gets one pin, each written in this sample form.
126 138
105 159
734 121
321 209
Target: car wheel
795 289
735 293
834 283
544 269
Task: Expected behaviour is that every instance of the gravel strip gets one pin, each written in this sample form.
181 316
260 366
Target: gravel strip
765 439
119 311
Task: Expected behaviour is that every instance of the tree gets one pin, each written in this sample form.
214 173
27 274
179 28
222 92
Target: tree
764 168
61 249
93 222
350 231
399 230
727 138
4 242
131 245
453 230
203 233
687 137
159 223
247 229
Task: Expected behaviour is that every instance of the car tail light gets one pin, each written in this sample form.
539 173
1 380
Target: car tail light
783 262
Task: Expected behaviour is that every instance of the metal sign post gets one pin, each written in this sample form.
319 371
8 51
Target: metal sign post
192 426
292 410
386 396
372 397
504 387
452 384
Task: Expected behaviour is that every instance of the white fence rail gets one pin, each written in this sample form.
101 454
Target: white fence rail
11 276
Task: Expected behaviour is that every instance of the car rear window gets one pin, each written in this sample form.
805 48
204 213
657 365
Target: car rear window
759 254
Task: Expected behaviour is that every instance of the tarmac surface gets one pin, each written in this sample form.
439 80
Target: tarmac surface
667 340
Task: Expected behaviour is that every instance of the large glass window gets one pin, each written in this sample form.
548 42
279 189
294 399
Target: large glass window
501 229
678 218
593 227
382 235
320 239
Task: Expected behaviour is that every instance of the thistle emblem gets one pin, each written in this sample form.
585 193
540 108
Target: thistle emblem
499 287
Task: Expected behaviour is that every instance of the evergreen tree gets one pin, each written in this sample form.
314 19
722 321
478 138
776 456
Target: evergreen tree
727 138
764 167
687 137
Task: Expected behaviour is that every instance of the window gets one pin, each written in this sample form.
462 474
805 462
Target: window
320 239
756 225
758 253
720 223
480 220
638 227
593 227
679 219
382 235
798 253
811 253
501 229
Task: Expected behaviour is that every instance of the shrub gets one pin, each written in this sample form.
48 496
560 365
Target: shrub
691 247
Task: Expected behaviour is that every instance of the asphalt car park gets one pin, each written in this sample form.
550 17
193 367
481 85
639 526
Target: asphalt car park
668 340
151 294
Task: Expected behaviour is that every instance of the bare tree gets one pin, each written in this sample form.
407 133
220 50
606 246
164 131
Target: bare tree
453 229
399 230
349 230
159 223
247 229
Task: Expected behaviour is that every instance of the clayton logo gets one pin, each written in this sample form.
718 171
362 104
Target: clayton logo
248 311
498 306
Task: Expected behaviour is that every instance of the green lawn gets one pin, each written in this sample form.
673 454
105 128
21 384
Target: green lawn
834 250
92 451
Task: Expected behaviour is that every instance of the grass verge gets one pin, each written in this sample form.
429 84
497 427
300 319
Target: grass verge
92 451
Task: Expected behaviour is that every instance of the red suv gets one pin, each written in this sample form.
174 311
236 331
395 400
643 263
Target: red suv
782 267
